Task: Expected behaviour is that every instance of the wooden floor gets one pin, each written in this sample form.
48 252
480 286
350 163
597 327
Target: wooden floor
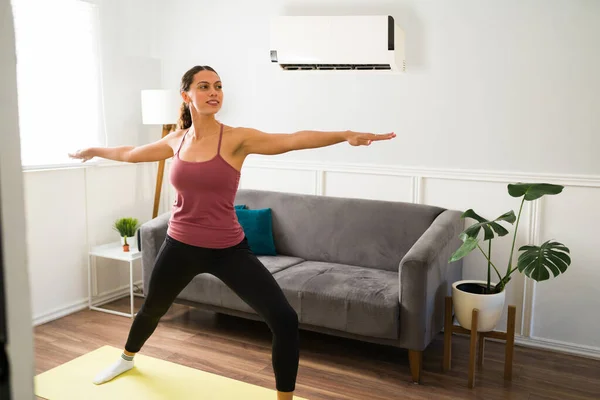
330 367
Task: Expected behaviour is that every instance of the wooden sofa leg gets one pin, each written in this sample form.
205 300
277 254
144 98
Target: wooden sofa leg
415 359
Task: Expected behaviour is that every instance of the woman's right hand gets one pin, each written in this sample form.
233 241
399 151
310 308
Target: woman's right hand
83 155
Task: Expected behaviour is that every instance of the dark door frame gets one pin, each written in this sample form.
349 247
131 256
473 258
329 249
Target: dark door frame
5 392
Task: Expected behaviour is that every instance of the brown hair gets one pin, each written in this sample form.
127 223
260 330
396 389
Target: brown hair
185 116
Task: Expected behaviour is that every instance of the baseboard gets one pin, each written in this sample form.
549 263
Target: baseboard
60 312
559 347
82 304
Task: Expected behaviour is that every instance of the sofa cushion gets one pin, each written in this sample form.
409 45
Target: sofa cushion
348 298
206 288
258 227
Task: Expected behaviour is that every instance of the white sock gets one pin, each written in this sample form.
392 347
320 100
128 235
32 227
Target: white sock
123 364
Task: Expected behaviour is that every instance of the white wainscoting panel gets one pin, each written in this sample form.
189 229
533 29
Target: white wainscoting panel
55 215
489 200
368 186
69 209
567 308
279 180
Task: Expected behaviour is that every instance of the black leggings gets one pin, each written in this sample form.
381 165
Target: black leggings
178 263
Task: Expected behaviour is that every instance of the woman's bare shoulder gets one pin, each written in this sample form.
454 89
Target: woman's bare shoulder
174 137
176 134
240 131
236 134
179 132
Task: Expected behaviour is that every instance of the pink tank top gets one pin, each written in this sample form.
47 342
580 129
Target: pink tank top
203 214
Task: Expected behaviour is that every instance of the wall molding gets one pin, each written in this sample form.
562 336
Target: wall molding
417 189
430 173
320 182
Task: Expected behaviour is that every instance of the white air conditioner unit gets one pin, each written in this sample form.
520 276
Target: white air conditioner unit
355 42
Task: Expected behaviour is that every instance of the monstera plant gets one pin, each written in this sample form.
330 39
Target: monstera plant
536 262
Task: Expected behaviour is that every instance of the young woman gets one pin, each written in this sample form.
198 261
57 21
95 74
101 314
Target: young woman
204 235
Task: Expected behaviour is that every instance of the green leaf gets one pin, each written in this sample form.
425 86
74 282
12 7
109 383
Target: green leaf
499 229
473 230
538 261
489 227
126 226
533 191
472 214
469 244
509 217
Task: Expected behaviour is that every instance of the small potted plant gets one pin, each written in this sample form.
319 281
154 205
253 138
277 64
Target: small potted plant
126 228
536 262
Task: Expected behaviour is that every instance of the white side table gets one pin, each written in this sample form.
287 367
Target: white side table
113 251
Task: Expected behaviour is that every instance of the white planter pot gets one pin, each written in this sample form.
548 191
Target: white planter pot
490 306
131 241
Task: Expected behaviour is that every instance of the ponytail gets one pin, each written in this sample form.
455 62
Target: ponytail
185 117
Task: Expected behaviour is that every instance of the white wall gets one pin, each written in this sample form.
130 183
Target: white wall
15 269
495 92
69 209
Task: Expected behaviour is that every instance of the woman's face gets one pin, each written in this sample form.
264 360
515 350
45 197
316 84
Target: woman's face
205 93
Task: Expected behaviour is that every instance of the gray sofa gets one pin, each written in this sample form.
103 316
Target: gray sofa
370 270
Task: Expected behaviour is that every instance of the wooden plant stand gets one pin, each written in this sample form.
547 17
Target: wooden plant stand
508 337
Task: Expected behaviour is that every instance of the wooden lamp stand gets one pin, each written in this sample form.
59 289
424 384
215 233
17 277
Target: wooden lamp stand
166 129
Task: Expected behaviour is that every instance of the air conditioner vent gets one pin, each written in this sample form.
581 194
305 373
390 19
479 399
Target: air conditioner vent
297 67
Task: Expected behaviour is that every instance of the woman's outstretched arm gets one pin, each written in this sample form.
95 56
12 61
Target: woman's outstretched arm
257 142
156 151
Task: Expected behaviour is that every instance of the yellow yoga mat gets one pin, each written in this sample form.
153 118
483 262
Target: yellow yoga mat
151 379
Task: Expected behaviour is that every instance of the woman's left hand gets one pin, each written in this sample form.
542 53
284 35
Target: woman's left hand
365 139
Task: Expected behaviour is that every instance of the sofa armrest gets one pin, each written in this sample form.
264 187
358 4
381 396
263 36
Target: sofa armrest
152 235
426 279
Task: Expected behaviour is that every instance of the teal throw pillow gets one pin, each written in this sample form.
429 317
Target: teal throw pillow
240 206
258 227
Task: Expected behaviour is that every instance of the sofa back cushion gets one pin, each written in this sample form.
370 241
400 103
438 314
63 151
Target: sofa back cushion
367 233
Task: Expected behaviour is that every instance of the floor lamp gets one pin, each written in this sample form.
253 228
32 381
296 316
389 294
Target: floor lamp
160 107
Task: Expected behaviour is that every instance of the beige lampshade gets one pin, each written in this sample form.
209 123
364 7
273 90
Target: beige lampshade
160 107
